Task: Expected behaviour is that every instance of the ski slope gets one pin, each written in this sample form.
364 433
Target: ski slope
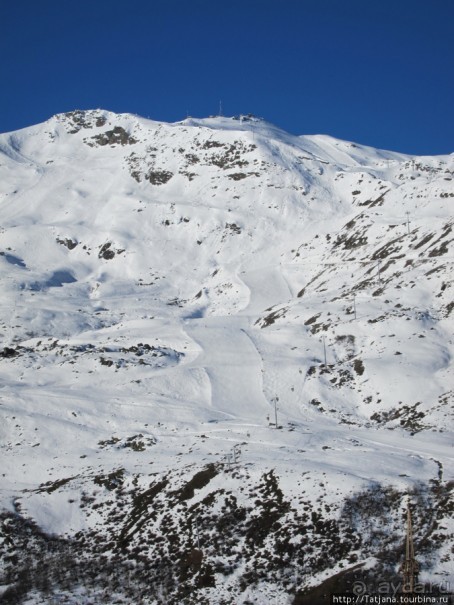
166 290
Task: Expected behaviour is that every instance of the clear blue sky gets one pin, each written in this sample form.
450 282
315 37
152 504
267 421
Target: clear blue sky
378 72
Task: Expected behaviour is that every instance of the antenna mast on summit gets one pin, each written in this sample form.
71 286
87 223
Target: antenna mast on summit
220 108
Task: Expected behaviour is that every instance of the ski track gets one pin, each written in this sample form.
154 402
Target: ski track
232 364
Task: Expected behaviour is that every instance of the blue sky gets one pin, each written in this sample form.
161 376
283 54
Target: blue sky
377 72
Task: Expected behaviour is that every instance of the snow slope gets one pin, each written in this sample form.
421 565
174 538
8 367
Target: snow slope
168 290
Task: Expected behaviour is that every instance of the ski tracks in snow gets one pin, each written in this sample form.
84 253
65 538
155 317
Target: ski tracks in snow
232 364
229 356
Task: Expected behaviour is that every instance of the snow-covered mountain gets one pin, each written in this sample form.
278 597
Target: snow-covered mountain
169 291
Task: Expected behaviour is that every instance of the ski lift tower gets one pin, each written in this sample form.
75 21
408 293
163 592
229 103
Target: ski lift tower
410 567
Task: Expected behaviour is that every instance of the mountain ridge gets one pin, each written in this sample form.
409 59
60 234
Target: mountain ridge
169 290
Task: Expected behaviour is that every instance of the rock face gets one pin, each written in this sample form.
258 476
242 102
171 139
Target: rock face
225 362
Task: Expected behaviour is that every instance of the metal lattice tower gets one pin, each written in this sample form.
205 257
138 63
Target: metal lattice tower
410 567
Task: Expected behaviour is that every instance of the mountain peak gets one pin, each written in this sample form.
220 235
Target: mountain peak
225 353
